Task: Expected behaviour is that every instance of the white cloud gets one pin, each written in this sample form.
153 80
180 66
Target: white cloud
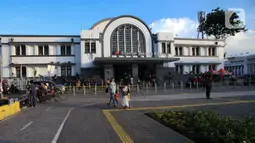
187 28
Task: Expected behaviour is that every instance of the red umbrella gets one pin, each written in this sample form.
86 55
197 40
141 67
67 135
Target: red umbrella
221 70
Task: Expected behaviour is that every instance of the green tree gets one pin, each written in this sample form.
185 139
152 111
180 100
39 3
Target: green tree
214 24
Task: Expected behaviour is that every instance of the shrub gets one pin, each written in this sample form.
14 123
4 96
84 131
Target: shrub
203 126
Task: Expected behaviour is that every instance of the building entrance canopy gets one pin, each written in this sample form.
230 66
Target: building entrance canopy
130 60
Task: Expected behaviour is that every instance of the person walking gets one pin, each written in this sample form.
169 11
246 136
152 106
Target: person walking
33 93
112 91
208 85
125 94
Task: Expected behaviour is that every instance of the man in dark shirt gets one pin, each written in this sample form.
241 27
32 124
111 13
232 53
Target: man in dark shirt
33 93
208 85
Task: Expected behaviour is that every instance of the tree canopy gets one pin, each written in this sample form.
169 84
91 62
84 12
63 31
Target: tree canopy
215 25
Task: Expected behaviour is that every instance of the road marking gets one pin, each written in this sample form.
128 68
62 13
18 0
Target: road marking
55 139
48 109
87 105
124 137
61 127
28 124
184 106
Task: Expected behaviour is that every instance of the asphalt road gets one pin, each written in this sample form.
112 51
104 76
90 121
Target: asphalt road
80 120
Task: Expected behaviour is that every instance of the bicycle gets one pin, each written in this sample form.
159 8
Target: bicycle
58 94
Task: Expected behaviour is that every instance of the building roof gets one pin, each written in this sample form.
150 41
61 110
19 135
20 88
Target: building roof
101 21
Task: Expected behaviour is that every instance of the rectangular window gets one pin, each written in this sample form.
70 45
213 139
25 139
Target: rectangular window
176 51
197 51
43 50
66 70
63 50
17 71
40 50
212 67
179 69
193 52
213 51
23 49
20 50
181 52
24 72
63 70
46 50
87 49
93 47
163 48
198 69
69 71
17 50
169 48
68 50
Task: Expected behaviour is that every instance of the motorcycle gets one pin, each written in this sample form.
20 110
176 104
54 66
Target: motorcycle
13 88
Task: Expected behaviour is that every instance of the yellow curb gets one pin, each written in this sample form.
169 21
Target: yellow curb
124 137
183 106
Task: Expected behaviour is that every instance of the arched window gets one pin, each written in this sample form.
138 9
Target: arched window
126 40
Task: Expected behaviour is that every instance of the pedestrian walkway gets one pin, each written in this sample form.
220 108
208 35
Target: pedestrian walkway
191 95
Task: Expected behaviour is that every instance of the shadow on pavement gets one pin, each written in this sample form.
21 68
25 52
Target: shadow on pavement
6 141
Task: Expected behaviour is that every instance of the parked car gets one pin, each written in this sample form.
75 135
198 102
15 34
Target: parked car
60 87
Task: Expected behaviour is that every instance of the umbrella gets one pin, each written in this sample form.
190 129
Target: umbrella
221 71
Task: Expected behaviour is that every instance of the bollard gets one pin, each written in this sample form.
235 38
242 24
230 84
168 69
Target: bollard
197 85
173 86
165 86
95 89
84 89
73 90
129 88
190 86
181 85
155 87
147 86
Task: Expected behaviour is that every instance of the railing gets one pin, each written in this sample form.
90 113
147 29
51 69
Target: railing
149 89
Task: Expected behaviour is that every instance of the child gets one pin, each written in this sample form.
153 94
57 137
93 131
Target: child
116 97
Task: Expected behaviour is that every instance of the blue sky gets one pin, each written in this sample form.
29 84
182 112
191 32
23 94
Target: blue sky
68 16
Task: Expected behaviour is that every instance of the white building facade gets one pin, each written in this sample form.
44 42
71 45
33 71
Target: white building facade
243 65
109 45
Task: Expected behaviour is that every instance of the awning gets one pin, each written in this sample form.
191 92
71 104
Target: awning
197 63
130 60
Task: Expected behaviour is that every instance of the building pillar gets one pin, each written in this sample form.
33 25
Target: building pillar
108 72
135 74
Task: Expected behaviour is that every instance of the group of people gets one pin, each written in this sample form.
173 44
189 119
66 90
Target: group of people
37 91
115 92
